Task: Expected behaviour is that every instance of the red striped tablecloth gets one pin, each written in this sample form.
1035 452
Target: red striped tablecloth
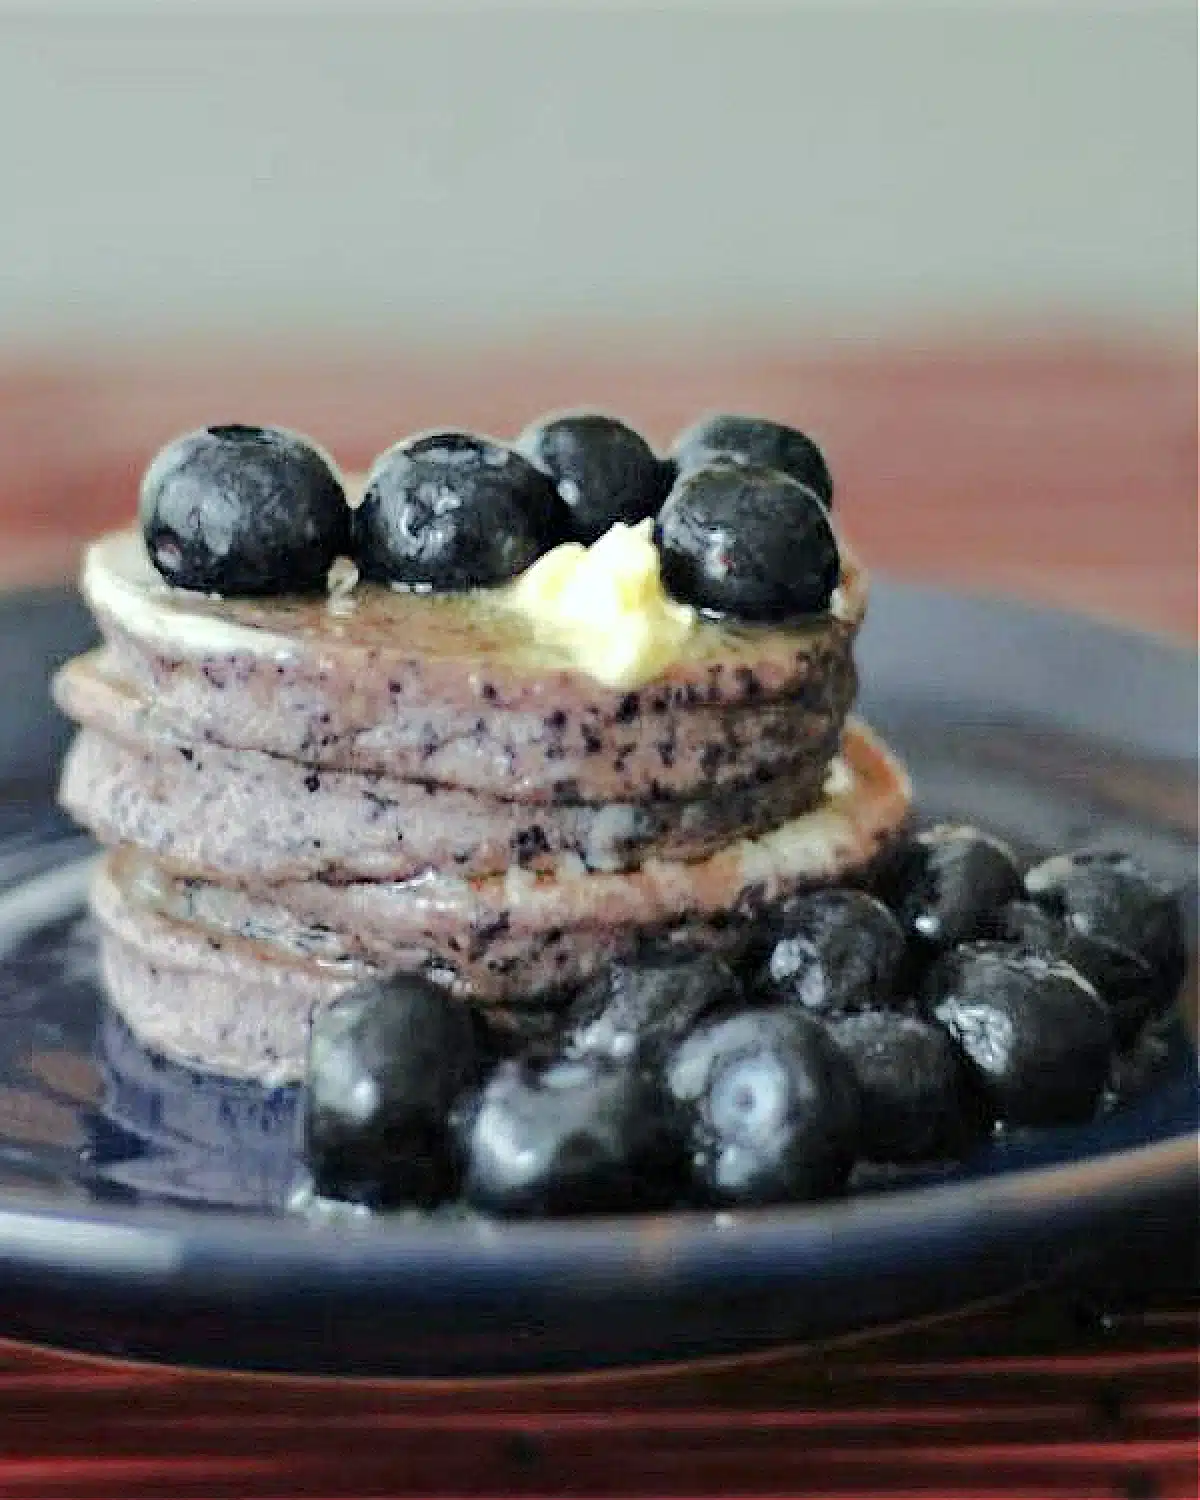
1050 1397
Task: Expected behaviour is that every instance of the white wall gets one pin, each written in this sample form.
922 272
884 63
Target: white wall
434 172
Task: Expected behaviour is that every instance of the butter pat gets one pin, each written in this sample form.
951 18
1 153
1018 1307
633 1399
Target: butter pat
606 607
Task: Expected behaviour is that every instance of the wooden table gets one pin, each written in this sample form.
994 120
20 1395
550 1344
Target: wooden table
1065 474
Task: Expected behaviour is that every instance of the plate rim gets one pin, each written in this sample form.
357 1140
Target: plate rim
1170 1160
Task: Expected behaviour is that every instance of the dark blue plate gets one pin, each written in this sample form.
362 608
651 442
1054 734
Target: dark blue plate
141 1206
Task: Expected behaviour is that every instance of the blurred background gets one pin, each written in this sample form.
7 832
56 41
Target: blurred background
958 242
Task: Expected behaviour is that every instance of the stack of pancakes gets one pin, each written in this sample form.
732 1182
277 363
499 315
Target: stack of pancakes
298 793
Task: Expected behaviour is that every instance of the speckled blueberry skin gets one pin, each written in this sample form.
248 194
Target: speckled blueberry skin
1039 1038
554 1135
1123 980
604 471
770 1106
1106 898
835 952
749 542
754 440
920 1100
948 884
638 1009
452 511
387 1062
243 511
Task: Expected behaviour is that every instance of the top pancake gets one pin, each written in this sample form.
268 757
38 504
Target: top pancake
402 683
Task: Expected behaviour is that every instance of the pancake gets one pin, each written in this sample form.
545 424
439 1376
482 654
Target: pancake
225 978
456 691
247 815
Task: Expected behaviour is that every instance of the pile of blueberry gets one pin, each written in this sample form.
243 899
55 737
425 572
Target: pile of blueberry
741 510
898 1025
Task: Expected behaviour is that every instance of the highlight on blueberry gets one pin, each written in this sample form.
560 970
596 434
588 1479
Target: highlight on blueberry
603 470
947 885
1123 980
243 511
452 511
1039 1037
838 951
769 1105
920 1101
1124 917
554 1135
639 1008
747 541
758 442
387 1063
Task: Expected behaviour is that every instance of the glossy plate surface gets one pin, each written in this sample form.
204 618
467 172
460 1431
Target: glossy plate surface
141 1208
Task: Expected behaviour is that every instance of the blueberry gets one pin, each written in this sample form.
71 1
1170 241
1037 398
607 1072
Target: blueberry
1029 925
387 1062
947 885
1038 1035
554 1135
448 510
1107 898
919 1099
838 951
603 470
754 440
1148 1062
1123 981
769 1106
639 1009
747 541
243 511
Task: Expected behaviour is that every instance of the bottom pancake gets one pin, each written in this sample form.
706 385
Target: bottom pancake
220 1004
227 981
226 1004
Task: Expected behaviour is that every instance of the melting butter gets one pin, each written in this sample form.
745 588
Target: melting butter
605 606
